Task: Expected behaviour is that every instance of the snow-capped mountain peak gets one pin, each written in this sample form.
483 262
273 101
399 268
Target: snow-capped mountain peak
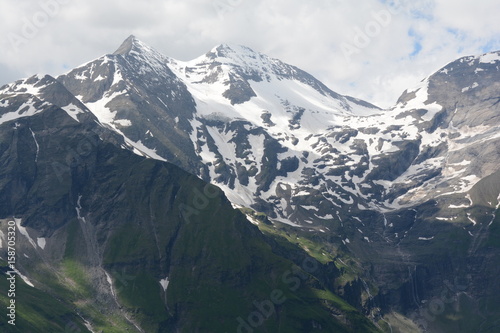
36 94
128 45
266 131
142 57
233 53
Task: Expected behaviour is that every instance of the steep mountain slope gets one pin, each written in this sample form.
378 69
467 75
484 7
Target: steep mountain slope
273 137
121 242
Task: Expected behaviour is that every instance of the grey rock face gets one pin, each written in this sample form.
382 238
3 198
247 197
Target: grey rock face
120 89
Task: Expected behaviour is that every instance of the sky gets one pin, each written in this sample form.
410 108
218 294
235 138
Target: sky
369 49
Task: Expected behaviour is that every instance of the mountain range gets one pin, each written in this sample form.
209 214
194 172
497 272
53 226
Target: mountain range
235 192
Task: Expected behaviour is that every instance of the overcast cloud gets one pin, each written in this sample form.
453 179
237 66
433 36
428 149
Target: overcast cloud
370 49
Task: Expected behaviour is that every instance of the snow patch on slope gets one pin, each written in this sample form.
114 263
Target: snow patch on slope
24 232
489 58
26 110
41 242
72 110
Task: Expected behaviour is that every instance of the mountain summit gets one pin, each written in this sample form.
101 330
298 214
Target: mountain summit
127 45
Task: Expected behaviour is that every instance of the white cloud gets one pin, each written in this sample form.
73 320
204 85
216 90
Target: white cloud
312 35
